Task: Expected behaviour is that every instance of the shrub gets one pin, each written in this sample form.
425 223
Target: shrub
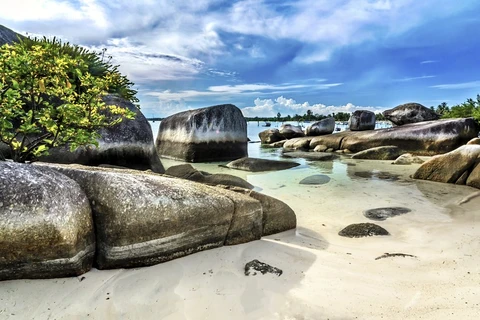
51 95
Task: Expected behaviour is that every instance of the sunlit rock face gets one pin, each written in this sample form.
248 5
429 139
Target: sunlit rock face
46 227
209 134
324 126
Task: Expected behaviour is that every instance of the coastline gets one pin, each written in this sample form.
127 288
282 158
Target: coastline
324 275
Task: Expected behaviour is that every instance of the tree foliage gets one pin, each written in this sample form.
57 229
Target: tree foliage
51 95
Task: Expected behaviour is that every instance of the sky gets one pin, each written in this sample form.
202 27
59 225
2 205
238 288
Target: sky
268 56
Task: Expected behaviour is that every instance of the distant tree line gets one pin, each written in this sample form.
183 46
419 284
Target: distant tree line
470 108
309 116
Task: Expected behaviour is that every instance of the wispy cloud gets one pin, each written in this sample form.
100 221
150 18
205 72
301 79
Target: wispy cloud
414 78
429 61
270 107
239 89
462 85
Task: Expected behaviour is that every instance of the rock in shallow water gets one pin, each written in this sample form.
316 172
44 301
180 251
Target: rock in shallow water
380 214
254 266
46 228
257 165
316 179
316 156
360 230
209 134
379 153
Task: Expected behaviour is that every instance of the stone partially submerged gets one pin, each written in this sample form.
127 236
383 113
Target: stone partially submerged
422 138
257 165
379 153
215 133
46 228
128 144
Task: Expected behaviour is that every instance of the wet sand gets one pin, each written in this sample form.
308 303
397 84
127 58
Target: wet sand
325 276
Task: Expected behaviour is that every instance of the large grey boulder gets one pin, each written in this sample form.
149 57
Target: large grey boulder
297 143
143 219
324 126
215 133
257 165
361 120
410 113
459 166
8 36
46 228
422 138
290 131
270 136
127 144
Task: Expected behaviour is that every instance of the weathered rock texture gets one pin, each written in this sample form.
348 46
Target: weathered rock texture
127 144
315 156
46 228
257 165
8 36
270 136
290 131
460 166
142 219
422 138
410 113
277 215
379 153
380 214
361 120
297 143
209 134
324 126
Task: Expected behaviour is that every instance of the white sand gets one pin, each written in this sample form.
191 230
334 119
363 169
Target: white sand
325 276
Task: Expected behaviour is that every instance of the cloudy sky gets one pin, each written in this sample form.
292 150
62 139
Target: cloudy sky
269 56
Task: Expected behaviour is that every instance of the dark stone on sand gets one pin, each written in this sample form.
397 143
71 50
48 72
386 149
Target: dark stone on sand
257 165
215 133
255 266
360 230
316 179
317 156
380 214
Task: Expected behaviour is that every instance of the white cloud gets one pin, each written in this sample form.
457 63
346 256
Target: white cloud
462 85
429 61
414 78
270 107
227 91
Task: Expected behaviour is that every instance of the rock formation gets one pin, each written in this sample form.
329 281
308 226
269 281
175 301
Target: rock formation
8 36
257 165
361 120
46 228
460 166
270 136
324 126
379 153
209 134
290 131
410 113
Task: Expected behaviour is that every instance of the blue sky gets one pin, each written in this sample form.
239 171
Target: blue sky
274 56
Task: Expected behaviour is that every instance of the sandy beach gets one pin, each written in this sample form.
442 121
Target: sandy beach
325 276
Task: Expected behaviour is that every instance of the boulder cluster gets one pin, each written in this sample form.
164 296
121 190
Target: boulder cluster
69 218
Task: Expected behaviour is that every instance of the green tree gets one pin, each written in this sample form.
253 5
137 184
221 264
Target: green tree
51 95
470 108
